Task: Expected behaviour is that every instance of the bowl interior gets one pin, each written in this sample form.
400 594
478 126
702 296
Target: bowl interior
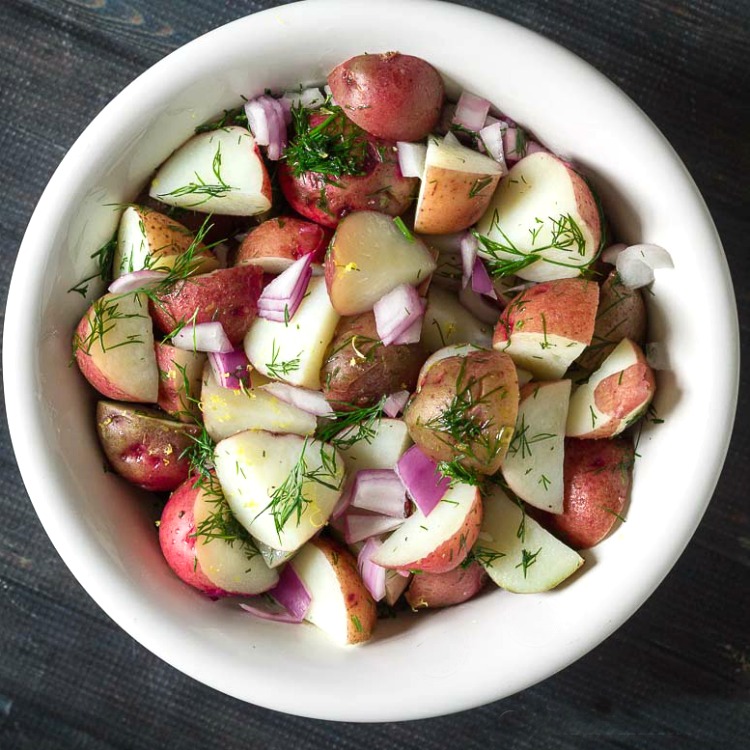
416 666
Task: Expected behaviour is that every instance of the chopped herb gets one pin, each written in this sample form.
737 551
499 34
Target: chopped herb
485 556
279 369
478 185
351 425
357 623
104 258
399 222
528 558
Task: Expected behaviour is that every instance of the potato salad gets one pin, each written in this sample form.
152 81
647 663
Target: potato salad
373 349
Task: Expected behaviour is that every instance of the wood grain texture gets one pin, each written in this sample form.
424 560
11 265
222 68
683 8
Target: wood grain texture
677 674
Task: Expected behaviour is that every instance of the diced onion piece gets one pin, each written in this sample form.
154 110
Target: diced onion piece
635 265
481 282
396 311
291 593
395 403
609 254
231 369
471 111
132 282
411 158
657 356
469 247
281 298
313 402
203 337
492 138
266 118
311 98
360 526
379 491
478 306
514 144
342 505
413 333
329 94
423 482
265 609
373 576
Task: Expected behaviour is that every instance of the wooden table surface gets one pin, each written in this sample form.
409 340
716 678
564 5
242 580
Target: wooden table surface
676 675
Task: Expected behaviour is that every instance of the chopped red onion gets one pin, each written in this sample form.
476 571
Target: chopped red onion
469 248
286 108
281 298
266 118
609 255
379 491
231 369
395 403
290 593
373 576
481 282
132 282
423 482
203 337
360 526
492 138
514 145
478 306
313 402
413 333
635 265
411 158
471 111
396 311
342 505
265 609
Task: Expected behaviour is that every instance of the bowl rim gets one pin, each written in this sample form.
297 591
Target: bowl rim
24 409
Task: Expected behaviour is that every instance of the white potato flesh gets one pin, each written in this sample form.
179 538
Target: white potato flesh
447 321
453 350
546 356
123 354
220 171
227 411
371 257
533 466
584 416
542 203
233 567
421 535
133 246
328 609
294 351
253 465
517 553
389 441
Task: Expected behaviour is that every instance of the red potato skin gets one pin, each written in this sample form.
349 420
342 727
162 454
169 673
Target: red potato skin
452 552
229 295
392 96
568 306
142 447
622 394
177 539
285 237
597 476
446 589
382 188
173 397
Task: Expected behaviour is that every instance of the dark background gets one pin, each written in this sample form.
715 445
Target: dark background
677 674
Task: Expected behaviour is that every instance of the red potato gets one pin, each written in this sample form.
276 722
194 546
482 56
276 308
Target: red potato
380 186
229 296
113 347
446 589
545 328
614 397
438 542
621 315
215 566
143 447
180 373
393 96
598 475
277 243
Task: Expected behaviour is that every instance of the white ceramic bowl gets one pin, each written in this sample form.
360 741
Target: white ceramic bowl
415 667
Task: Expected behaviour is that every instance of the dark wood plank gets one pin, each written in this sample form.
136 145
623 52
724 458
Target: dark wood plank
677 672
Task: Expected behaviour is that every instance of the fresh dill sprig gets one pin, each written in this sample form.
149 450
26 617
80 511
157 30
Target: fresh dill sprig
289 498
279 369
399 222
334 147
528 558
235 116
106 314
458 473
522 441
104 258
351 425
485 556
479 185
